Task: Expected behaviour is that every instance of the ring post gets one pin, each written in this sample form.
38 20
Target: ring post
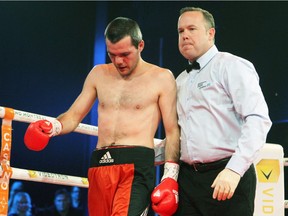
6 171
269 200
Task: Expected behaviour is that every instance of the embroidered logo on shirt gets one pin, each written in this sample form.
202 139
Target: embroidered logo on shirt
203 84
106 158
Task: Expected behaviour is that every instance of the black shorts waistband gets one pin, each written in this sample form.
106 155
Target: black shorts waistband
122 155
202 167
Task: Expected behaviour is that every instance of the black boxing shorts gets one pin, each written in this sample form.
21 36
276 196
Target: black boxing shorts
121 180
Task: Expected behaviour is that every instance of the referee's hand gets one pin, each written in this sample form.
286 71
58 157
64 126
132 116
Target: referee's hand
225 184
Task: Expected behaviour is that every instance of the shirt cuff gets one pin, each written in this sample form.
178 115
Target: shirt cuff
238 165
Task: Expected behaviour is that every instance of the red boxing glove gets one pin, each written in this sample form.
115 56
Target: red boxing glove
165 196
38 134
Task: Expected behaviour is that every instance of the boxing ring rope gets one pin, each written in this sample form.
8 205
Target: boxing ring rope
7 172
29 117
47 177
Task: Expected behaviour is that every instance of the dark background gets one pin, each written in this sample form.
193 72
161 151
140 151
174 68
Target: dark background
48 48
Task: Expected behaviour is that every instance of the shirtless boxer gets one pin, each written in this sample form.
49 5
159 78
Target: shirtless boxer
134 96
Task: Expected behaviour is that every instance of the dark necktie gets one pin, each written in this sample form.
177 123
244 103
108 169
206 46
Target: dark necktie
195 65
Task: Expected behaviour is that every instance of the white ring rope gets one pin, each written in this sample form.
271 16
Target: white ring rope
54 178
29 117
285 162
47 177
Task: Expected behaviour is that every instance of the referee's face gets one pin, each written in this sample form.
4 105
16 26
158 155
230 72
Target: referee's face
194 37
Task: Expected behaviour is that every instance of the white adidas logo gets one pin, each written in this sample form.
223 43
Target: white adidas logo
106 158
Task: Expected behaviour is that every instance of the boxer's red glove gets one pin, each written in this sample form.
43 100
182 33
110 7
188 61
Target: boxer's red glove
39 133
165 196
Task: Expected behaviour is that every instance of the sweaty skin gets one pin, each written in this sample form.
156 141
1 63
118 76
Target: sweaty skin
128 108
133 97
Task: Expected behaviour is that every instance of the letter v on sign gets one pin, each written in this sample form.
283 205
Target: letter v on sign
266 175
268 170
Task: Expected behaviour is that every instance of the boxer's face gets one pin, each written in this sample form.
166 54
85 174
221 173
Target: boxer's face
124 55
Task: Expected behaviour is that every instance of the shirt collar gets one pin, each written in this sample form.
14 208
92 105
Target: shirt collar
206 57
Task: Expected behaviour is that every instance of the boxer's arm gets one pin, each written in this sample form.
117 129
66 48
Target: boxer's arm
39 133
81 106
165 196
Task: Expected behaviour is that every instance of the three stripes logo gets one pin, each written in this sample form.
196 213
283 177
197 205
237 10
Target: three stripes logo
106 158
268 170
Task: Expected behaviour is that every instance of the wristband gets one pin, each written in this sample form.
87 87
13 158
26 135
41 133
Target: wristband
56 128
171 170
